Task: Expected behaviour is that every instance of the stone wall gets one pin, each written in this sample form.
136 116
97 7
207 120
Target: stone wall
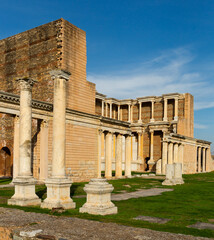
186 124
189 158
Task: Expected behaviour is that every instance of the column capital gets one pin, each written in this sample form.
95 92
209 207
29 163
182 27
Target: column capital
44 124
61 74
16 119
100 131
26 83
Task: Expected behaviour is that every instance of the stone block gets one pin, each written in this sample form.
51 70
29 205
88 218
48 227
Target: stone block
24 192
98 198
58 194
169 175
178 173
158 166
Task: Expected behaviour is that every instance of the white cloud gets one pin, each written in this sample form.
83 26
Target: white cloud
200 126
166 73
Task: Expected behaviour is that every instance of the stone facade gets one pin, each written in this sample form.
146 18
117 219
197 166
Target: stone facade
102 134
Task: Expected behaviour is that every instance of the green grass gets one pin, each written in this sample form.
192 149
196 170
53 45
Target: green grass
5 181
186 205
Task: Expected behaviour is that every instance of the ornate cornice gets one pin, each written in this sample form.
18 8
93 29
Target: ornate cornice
15 99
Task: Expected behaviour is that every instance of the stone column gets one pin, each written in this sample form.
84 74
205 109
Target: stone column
170 153
106 109
180 153
151 160
99 148
16 148
121 114
165 118
139 155
43 151
204 161
176 153
164 156
118 167
58 185
102 108
178 173
169 175
129 112
118 110
25 183
152 111
128 157
140 113
110 104
176 109
199 159
108 162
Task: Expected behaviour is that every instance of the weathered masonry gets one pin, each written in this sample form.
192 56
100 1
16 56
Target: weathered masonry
102 134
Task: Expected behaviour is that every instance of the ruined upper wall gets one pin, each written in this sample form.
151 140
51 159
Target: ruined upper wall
186 124
34 53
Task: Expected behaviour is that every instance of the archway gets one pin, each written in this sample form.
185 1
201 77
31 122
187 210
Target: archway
5 162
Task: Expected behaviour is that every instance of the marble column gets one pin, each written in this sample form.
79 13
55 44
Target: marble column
58 185
199 159
140 113
108 160
139 150
121 114
176 153
24 182
152 111
129 112
204 160
170 153
110 104
118 112
43 151
181 153
16 148
118 167
164 156
151 160
176 109
103 108
106 109
165 118
99 148
128 157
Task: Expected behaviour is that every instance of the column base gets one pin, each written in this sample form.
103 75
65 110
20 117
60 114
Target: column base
24 192
168 182
178 181
151 164
98 198
152 120
58 194
165 119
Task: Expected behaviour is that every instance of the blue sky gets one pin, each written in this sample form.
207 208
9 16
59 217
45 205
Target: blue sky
136 47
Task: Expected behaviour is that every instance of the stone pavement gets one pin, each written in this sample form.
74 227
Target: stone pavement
14 221
139 193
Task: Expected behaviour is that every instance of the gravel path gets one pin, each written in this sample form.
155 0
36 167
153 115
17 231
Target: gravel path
69 228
